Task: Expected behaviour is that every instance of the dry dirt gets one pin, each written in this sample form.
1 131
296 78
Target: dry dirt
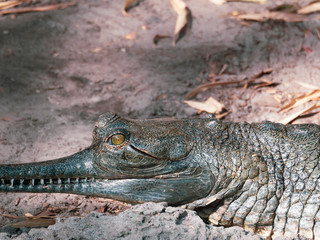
59 70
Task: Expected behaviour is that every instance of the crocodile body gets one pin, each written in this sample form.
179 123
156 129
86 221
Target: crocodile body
264 177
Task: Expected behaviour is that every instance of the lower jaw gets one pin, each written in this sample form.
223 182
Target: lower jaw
81 186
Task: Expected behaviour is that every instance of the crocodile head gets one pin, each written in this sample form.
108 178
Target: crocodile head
129 160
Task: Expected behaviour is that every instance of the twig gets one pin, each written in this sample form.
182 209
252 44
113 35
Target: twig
289 119
318 33
206 86
313 95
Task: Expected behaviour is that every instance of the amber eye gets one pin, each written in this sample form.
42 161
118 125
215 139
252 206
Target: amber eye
117 139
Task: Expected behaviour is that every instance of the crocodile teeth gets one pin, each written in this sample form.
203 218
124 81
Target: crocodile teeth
41 181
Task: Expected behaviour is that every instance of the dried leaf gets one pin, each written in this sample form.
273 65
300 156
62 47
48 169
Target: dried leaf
96 50
157 38
3 141
29 220
318 33
268 15
301 100
161 96
222 115
16 203
10 4
277 97
11 216
223 69
101 210
306 85
40 222
131 36
307 49
252 1
129 5
265 84
29 215
285 12
310 8
289 8
45 205
292 117
271 91
38 9
220 2
184 19
6 119
210 105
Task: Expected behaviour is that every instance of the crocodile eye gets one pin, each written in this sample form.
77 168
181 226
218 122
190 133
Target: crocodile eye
117 139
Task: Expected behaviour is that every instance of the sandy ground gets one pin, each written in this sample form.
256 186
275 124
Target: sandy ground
59 70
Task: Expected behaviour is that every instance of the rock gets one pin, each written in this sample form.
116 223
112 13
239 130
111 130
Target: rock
145 221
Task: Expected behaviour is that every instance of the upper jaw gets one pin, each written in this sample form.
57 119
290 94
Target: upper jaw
80 168
79 165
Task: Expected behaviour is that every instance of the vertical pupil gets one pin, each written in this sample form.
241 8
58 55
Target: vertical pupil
117 139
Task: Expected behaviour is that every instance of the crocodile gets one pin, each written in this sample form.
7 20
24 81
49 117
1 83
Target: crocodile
264 177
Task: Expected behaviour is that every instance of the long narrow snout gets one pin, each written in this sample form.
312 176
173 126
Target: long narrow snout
49 175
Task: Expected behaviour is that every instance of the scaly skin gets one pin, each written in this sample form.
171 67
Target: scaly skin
263 177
